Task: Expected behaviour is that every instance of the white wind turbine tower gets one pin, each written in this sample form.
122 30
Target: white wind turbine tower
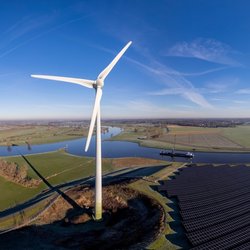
95 118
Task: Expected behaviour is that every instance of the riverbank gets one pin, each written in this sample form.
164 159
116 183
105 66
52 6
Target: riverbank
188 138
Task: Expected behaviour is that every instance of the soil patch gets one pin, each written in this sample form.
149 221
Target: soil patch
130 221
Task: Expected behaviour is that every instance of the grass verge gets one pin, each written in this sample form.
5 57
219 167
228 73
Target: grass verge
146 186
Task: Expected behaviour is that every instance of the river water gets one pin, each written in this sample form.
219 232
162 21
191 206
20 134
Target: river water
114 149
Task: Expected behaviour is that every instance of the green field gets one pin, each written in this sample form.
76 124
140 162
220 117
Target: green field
12 194
56 167
240 135
39 134
188 138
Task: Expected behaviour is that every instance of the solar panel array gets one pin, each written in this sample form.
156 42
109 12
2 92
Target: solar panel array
214 204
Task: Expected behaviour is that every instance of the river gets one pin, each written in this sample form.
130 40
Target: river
114 149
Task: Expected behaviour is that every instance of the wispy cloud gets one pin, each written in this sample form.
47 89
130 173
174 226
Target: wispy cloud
218 99
243 91
28 25
241 102
220 85
205 49
190 94
216 89
15 36
205 72
177 84
16 25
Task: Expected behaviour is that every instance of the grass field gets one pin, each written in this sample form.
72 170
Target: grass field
56 166
12 194
39 134
240 135
189 138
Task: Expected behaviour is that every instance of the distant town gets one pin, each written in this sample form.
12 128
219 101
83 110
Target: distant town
195 122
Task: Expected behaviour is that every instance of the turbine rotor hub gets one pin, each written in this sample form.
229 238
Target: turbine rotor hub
99 82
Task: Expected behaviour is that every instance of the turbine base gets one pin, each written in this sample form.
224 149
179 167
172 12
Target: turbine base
98 212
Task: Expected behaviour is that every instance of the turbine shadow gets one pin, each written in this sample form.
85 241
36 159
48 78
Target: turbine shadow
52 188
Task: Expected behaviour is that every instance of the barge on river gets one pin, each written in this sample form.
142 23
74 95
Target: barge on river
172 153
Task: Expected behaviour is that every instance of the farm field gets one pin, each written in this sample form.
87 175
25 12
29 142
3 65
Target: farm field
188 138
39 134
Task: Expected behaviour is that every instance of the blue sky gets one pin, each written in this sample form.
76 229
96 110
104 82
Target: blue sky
188 58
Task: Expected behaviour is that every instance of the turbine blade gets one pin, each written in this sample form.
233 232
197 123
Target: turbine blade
93 117
83 82
106 71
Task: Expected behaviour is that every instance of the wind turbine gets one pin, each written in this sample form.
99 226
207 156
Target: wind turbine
95 118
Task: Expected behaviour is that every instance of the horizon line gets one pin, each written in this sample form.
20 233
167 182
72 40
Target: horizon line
120 118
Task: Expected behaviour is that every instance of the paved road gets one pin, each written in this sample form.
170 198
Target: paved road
113 177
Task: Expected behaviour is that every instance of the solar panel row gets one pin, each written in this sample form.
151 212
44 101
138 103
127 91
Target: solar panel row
215 176
177 184
229 241
216 172
218 230
184 205
217 207
203 222
195 183
245 246
178 188
212 193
